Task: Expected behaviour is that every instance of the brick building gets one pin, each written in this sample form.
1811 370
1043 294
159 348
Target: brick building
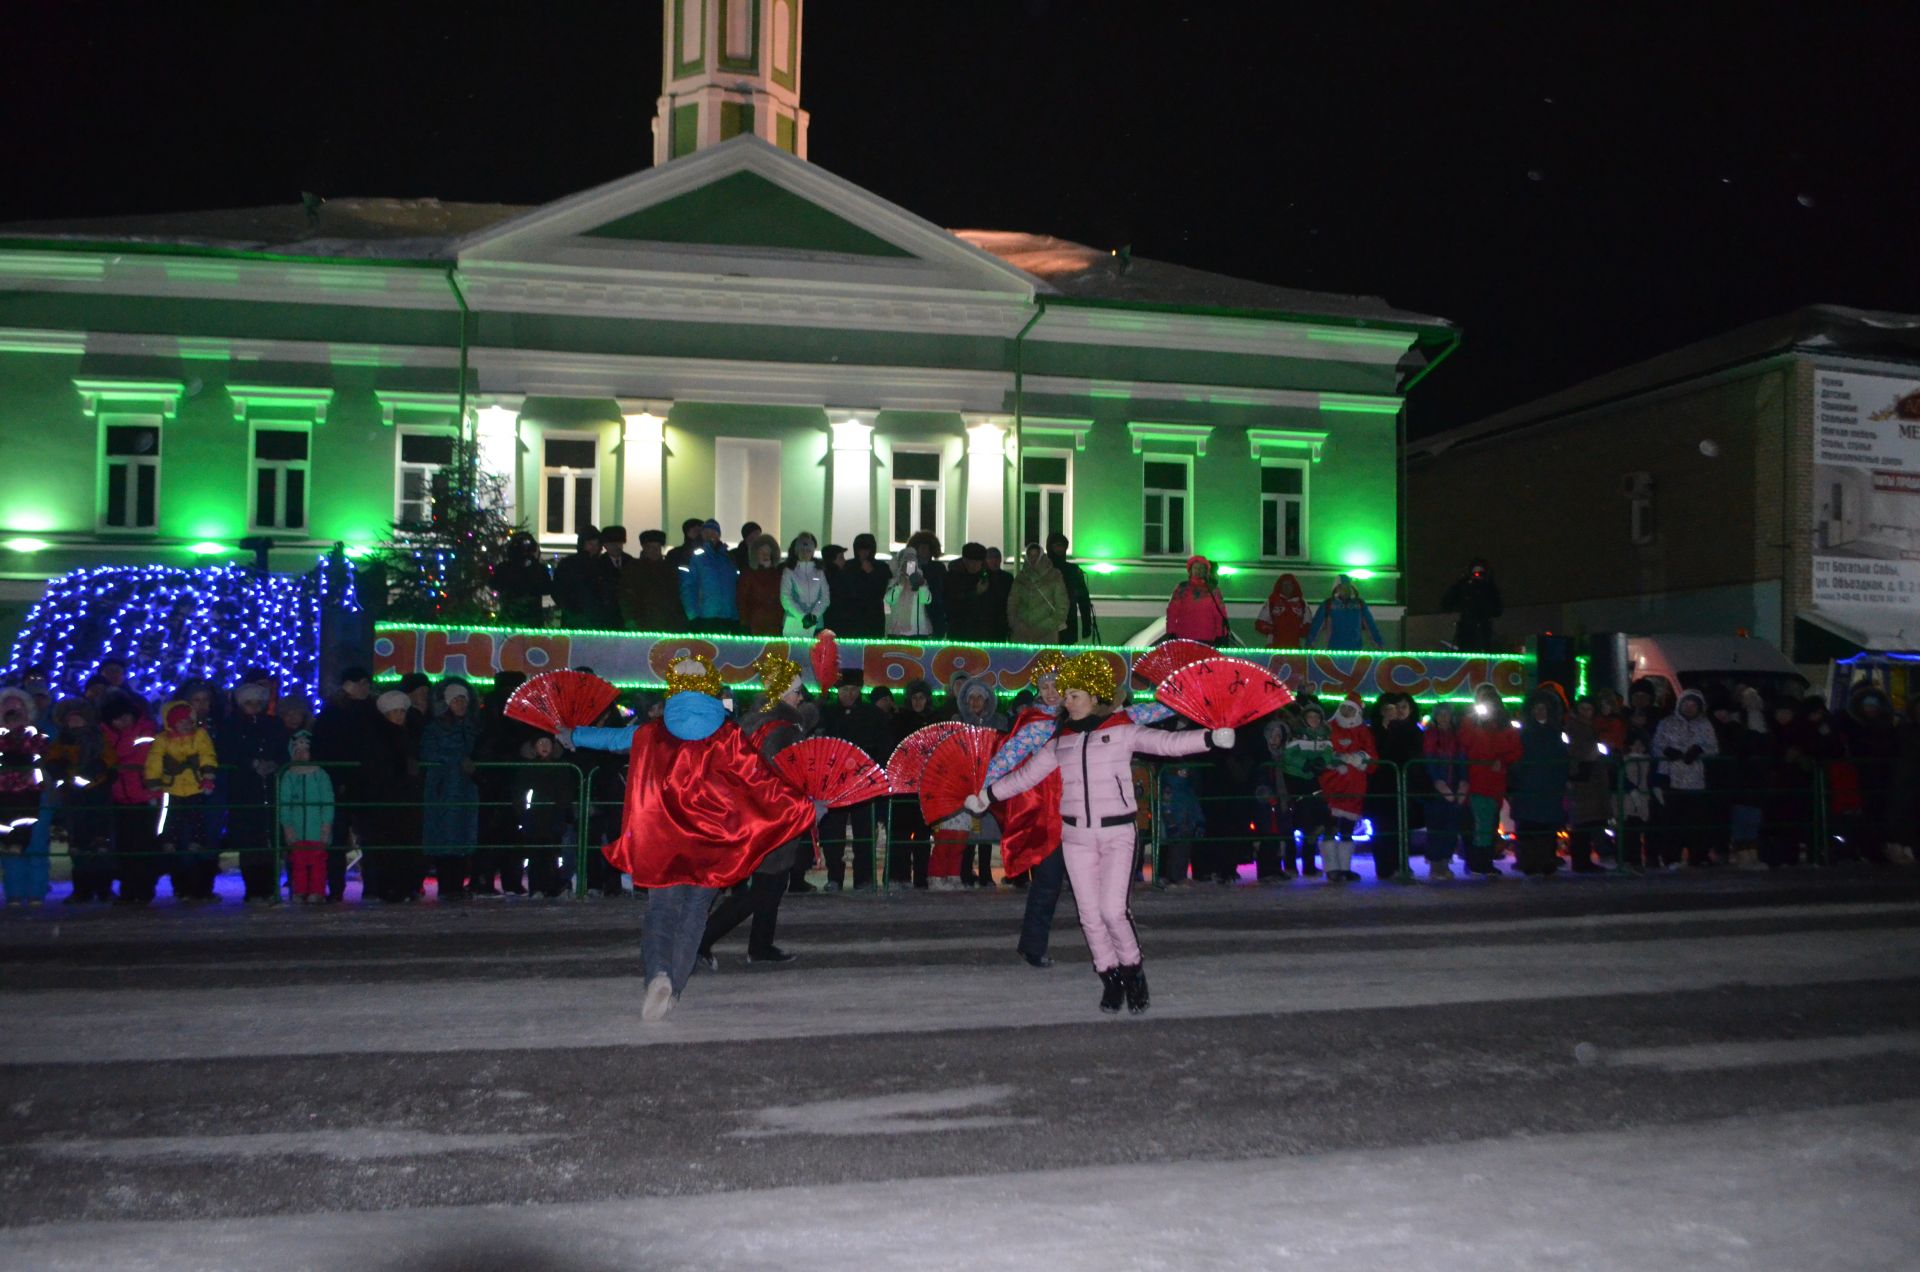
1765 480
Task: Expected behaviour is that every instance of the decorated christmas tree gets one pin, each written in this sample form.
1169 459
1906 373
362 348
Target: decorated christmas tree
439 569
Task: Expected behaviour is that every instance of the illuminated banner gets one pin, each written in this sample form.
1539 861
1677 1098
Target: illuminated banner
640 659
1866 505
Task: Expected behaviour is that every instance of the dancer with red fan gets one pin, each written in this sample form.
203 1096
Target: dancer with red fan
1030 821
1093 754
784 718
958 833
703 809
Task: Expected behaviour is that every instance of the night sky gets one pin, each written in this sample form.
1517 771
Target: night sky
1576 189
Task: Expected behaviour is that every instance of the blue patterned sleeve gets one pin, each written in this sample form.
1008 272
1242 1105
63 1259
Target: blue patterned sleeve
1019 748
1149 713
604 739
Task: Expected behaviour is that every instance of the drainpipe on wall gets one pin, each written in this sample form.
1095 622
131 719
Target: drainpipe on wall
1400 431
1019 403
453 283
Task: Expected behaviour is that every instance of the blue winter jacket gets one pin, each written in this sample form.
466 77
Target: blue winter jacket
708 583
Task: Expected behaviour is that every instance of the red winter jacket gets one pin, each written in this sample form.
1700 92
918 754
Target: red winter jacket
1483 742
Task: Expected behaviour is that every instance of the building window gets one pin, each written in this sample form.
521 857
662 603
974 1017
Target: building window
569 484
131 500
279 478
1046 484
1283 510
1164 518
421 454
1638 487
915 495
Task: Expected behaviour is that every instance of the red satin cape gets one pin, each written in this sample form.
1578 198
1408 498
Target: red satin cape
704 812
1030 821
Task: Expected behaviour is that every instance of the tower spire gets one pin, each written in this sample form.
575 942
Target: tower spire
729 67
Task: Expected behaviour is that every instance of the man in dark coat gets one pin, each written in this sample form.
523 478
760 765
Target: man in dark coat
521 583
1079 599
858 721
251 745
578 581
650 588
970 608
1475 597
859 592
999 592
342 734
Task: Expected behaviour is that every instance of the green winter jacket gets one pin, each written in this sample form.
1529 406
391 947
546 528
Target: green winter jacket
306 804
1308 751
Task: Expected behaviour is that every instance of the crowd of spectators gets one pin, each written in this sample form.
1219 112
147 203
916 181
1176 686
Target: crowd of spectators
754 588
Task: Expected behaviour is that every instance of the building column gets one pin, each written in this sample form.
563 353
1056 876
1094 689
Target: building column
643 467
497 430
987 481
851 434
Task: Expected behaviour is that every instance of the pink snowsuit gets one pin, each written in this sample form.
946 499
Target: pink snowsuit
1095 761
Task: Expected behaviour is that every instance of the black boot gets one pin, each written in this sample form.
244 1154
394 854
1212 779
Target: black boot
1112 992
1134 981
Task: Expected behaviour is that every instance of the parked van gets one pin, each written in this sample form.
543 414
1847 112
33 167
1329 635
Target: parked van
1714 664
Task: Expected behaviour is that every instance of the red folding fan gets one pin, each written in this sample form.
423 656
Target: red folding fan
1163 660
1222 693
826 660
956 769
909 759
555 700
833 770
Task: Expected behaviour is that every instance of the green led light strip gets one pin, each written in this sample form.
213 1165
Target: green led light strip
1128 652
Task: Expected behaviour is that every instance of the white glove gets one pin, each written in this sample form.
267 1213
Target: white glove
1223 739
976 804
564 736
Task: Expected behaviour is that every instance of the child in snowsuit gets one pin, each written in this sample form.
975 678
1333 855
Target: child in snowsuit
1343 784
306 821
1182 824
547 792
20 780
1305 757
181 766
1093 753
77 773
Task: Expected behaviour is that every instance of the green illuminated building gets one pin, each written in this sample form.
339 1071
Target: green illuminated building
733 332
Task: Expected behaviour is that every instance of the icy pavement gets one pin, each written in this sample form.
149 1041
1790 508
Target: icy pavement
1653 1074
1828 1189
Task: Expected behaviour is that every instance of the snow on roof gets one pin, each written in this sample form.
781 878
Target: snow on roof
349 228
1816 328
1087 273
430 230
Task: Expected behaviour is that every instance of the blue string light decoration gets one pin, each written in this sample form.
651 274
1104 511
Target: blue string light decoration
169 624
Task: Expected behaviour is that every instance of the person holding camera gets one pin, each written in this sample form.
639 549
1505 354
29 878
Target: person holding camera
1475 597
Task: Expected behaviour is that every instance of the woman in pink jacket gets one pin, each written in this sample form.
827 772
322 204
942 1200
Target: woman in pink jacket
1093 753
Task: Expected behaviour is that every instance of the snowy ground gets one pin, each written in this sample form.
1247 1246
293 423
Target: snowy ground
1590 1074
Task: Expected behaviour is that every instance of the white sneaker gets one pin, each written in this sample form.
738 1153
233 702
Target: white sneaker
659 1000
944 883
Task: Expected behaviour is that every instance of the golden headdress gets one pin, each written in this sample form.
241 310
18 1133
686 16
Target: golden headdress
1045 663
694 674
1090 673
778 673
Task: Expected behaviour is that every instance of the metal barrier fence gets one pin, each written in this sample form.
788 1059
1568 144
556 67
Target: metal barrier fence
1650 822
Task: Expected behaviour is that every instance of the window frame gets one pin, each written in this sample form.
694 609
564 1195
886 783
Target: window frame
1304 468
1027 532
401 464
569 530
937 486
1186 507
129 419
281 466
